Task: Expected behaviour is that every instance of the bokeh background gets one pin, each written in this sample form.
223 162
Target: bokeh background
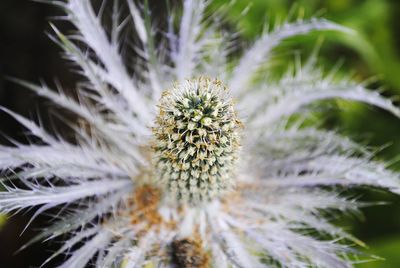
26 52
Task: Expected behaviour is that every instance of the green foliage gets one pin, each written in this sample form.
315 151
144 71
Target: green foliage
374 44
388 249
2 220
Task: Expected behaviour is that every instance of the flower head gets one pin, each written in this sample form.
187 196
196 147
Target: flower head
197 140
190 159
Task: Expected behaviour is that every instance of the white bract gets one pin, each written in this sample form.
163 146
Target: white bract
187 159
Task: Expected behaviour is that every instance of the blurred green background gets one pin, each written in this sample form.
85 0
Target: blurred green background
26 52
373 52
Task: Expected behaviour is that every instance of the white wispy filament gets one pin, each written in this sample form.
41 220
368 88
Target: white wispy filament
185 159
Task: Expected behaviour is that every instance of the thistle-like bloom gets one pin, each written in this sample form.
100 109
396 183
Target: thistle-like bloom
188 159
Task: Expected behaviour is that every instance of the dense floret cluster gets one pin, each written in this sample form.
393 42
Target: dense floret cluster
197 139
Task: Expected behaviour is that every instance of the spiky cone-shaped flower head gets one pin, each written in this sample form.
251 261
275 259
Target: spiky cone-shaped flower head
196 140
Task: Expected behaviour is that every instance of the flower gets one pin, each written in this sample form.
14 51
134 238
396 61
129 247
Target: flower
189 160
196 140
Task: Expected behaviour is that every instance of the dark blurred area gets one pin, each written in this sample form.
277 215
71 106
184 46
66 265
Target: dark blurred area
26 52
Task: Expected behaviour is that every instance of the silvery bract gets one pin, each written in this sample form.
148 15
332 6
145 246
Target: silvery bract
188 159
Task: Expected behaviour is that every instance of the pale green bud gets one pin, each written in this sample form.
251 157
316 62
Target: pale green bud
196 141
